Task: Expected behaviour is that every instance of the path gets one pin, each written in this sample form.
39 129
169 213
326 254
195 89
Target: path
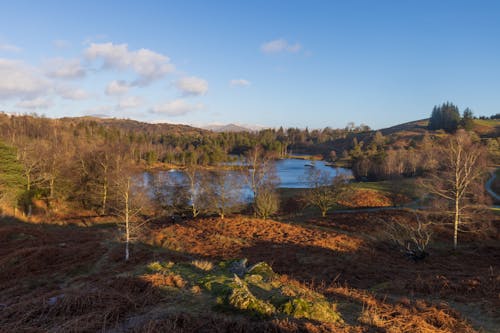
489 189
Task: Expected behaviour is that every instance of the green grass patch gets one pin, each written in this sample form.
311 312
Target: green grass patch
487 122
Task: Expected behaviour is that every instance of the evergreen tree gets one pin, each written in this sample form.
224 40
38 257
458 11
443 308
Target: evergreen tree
446 116
467 121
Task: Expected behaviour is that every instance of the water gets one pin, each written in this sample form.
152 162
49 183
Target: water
292 173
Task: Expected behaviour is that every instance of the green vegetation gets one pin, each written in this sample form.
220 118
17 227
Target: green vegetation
446 116
256 291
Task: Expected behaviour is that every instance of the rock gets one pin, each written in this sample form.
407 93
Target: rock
262 269
238 267
241 298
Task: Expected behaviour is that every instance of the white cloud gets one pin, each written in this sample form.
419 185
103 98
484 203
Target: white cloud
280 45
177 107
61 43
37 103
20 80
130 102
117 87
192 86
147 64
239 83
64 68
72 93
9 47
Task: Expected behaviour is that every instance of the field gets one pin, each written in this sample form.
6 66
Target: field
337 274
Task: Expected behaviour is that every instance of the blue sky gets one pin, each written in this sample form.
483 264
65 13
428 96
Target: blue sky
271 63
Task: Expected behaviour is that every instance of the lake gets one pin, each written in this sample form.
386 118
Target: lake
292 173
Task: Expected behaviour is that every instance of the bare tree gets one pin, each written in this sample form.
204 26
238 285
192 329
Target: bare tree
325 191
458 181
224 192
267 202
410 237
262 180
105 165
130 201
170 193
197 190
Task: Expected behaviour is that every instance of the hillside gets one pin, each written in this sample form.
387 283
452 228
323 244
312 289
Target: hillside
137 126
336 274
232 128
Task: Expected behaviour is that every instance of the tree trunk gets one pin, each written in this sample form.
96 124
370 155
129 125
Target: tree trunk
104 195
127 226
457 221
51 187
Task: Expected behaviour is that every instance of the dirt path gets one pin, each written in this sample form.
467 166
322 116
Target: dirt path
488 185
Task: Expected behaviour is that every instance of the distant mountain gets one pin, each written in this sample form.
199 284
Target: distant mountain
232 128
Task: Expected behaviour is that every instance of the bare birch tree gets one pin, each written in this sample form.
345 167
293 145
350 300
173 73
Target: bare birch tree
458 179
129 201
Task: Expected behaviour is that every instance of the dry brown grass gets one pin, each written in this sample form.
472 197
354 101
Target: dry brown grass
69 279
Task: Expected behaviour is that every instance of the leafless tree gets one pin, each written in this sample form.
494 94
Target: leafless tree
262 180
197 190
458 180
411 237
224 192
266 202
130 200
325 191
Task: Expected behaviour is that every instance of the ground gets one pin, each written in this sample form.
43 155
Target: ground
74 278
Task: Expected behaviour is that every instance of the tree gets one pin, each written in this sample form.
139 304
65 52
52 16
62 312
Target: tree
266 202
411 237
197 189
261 177
467 121
324 191
129 201
224 192
446 116
458 179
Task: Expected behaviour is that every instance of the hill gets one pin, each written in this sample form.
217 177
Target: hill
136 126
232 128
337 274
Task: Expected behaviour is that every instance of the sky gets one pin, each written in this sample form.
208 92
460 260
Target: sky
269 63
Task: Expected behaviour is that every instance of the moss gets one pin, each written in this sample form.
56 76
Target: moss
258 292
319 310
242 299
156 266
264 270
217 288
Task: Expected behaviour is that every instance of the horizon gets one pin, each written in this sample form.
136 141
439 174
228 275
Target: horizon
264 63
